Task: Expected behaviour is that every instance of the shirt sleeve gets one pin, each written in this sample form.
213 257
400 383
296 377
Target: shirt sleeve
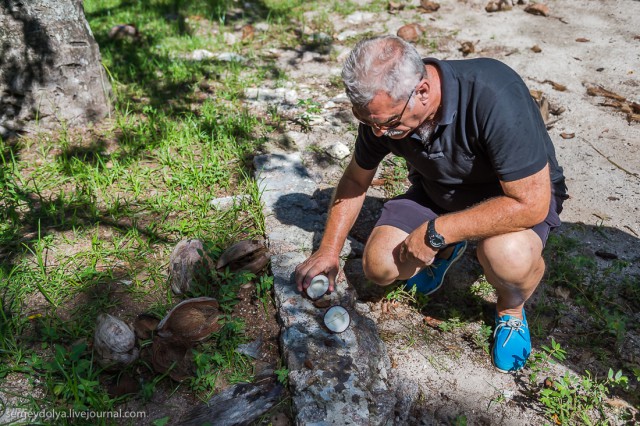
370 149
514 132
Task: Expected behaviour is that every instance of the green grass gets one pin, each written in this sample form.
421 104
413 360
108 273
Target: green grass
90 217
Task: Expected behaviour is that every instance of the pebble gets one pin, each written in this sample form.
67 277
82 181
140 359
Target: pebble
339 151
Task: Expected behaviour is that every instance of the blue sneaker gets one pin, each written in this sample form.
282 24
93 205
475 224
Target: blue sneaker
430 279
511 343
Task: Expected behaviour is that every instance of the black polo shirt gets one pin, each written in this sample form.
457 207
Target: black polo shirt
490 130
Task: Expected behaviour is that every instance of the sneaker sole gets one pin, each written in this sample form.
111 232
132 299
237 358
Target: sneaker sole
460 253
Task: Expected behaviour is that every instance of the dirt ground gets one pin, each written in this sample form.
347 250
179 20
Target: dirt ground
580 45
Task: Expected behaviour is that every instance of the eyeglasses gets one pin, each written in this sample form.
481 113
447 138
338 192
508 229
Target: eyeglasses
389 124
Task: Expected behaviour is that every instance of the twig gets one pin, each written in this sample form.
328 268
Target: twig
610 160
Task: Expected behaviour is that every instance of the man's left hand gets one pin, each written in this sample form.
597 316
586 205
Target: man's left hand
414 247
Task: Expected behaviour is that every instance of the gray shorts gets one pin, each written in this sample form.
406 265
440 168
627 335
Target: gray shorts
410 210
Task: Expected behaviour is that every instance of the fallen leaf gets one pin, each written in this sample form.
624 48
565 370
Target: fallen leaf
248 32
410 32
467 47
499 6
540 9
548 383
606 255
600 91
582 40
395 7
536 48
308 364
567 135
429 6
378 182
562 292
557 86
613 198
432 322
633 117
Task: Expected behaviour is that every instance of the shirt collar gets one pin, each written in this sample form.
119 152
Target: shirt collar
448 88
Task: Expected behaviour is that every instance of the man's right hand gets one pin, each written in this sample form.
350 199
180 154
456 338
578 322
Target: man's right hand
321 262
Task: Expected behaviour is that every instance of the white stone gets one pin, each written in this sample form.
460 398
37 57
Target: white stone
230 57
347 34
230 38
329 105
200 55
261 26
339 151
360 17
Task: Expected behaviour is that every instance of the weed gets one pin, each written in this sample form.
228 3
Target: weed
482 337
572 397
451 324
263 290
283 376
310 109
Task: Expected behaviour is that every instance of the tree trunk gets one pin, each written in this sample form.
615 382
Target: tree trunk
50 67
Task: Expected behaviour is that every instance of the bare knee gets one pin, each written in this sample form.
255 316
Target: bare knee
377 271
513 258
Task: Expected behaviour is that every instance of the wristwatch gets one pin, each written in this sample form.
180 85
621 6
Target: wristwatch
432 238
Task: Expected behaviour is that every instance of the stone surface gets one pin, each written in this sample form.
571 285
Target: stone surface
334 378
239 404
50 71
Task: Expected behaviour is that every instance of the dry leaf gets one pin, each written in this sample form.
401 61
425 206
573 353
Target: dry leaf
395 7
562 292
536 48
410 32
429 6
582 40
537 9
557 86
248 32
308 364
432 322
606 255
378 182
568 135
600 91
467 47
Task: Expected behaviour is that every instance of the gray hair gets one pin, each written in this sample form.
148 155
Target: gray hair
381 64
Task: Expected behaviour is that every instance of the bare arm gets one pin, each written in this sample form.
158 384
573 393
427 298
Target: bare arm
343 212
524 204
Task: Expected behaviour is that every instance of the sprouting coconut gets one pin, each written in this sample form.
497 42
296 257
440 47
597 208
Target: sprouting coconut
191 320
114 342
245 255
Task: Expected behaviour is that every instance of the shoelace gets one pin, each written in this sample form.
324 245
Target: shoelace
514 324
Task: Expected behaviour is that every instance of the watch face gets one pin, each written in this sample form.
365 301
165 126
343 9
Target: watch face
436 241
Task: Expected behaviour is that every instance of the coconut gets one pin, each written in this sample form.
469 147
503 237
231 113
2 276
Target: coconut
245 255
337 319
189 265
191 320
145 325
318 287
172 355
114 342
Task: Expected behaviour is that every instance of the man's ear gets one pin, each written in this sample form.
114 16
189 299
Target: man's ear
423 91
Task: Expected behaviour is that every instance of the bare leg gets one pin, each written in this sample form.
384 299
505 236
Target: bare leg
513 264
381 261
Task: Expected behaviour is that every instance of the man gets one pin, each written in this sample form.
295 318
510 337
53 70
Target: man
482 167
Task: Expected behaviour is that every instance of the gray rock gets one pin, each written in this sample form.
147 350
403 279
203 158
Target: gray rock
239 404
334 378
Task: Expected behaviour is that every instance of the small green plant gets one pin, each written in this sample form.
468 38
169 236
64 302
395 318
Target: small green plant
451 324
538 362
309 109
400 294
571 398
482 336
263 290
283 375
